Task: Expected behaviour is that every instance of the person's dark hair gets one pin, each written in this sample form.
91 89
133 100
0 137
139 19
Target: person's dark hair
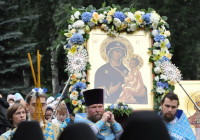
145 125
28 130
11 100
29 97
77 131
12 109
171 96
49 108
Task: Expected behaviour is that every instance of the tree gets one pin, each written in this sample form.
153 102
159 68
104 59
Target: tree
14 45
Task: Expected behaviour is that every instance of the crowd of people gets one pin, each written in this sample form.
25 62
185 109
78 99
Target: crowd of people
20 120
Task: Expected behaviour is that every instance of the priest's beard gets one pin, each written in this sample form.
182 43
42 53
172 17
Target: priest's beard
168 117
95 118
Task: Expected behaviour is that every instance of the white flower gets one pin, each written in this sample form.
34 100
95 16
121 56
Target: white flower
69 27
132 27
78 24
160 90
154 17
156 52
72 18
78 75
101 17
163 77
131 16
81 31
80 48
105 12
73 97
117 22
91 24
40 91
156 78
157 70
167 33
156 44
77 14
154 25
155 32
157 63
79 102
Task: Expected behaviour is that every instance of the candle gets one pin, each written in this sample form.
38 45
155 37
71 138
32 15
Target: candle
38 66
32 70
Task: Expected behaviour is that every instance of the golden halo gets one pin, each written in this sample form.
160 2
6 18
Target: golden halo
138 58
126 42
190 106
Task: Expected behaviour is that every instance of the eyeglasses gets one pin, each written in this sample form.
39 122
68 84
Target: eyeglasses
19 113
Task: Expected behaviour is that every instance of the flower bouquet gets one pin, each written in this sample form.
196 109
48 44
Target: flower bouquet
120 109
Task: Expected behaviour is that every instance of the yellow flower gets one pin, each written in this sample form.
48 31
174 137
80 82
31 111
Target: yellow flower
74 93
73 31
94 20
74 102
68 34
95 16
171 82
162 53
140 20
83 80
168 55
73 76
111 12
128 20
87 29
72 50
109 19
156 57
123 26
163 45
138 15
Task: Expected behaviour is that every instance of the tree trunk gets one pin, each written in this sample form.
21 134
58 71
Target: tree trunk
26 79
54 72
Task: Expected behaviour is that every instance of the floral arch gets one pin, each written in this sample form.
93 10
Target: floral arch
114 21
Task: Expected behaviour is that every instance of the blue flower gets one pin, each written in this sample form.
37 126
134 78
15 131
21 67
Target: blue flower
45 90
82 100
146 18
86 16
36 89
77 39
159 38
112 106
164 58
162 84
119 15
79 86
125 107
168 45
92 11
105 21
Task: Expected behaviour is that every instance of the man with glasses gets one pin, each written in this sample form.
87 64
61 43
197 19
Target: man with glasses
102 123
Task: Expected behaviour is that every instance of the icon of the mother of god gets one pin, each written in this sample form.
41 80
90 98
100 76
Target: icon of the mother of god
110 76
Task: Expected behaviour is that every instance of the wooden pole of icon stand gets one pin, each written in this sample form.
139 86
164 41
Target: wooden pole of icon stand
38 108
